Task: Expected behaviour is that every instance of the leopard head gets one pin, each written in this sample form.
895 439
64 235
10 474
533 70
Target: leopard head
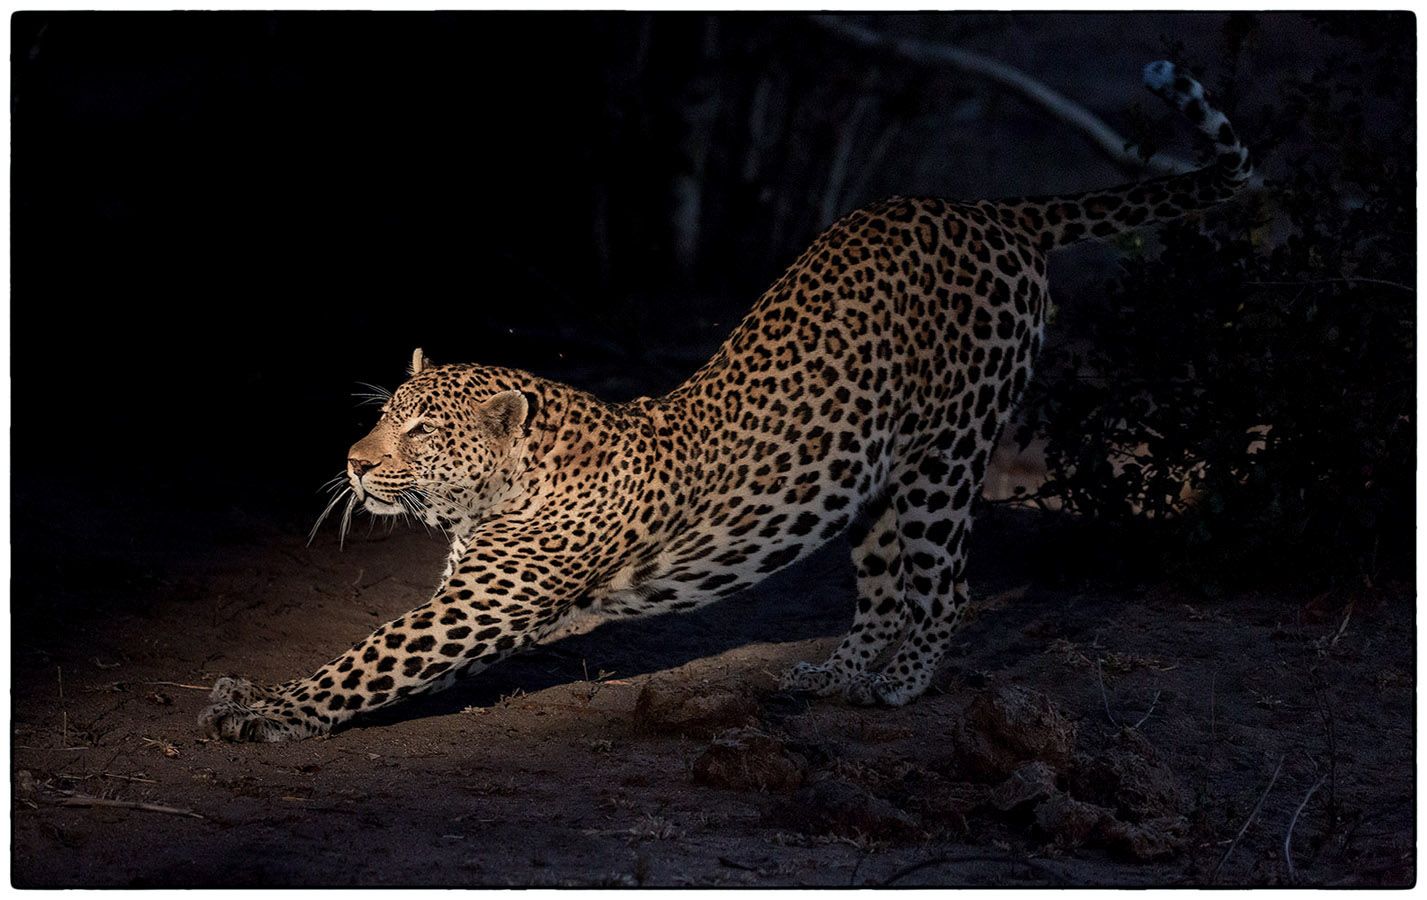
449 444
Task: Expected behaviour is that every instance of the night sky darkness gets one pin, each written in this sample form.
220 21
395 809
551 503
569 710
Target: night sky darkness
222 222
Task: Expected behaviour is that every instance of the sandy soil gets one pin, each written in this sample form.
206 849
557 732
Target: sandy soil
551 770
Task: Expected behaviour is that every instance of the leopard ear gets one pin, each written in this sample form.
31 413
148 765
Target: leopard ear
505 415
419 363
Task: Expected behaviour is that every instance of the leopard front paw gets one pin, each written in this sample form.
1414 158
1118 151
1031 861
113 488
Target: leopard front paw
243 711
240 691
805 677
877 689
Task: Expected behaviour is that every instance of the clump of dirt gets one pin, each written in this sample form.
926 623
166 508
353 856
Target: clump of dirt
1129 778
1067 821
1006 727
1122 797
749 759
942 805
693 710
842 808
1017 764
1029 785
1154 839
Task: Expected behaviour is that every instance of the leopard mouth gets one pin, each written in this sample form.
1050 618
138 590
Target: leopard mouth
380 505
374 500
381 500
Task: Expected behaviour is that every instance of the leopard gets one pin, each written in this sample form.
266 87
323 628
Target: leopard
862 395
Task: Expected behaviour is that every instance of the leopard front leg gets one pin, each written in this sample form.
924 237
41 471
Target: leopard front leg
500 598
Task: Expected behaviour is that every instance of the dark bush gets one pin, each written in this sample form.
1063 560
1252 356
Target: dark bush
1249 384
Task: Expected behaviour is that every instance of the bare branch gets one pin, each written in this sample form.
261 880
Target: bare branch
126 804
1105 698
1293 823
1347 280
1249 821
928 53
178 684
1149 712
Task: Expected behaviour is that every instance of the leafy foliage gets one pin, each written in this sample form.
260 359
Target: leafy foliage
1248 387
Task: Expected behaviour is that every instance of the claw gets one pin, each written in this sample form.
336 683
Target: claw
807 678
239 690
231 722
233 714
876 689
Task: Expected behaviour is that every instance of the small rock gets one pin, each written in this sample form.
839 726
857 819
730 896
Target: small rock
1154 839
842 808
748 759
781 705
1007 726
1027 786
699 713
1069 821
1129 778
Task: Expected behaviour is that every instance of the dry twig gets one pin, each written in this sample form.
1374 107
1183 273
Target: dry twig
1149 712
1213 708
1247 822
1034 865
191 687
1293 823
82 801
63 713
1105 700
142 779
1347 280
1104 697
1327 643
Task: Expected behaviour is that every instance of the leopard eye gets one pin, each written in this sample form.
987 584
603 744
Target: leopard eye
423 429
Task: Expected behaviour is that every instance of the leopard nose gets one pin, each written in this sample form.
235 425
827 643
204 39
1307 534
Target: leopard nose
359 466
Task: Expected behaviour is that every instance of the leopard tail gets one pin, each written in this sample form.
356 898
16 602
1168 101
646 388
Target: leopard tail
1054 221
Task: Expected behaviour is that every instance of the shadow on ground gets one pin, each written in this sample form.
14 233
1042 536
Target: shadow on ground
550 768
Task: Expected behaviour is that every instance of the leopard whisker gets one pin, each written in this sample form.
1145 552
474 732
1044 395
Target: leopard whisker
326 512
375 388
411 507
374 395
428 496
424 495
346 520
334 482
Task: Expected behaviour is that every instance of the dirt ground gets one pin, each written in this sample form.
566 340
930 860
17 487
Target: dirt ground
1080 735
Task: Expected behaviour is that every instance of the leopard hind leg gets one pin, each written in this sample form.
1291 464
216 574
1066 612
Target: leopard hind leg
880 616
933 501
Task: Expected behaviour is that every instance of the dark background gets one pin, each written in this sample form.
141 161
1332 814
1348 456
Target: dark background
222 222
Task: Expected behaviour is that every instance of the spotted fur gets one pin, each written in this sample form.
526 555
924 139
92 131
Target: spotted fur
863 393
